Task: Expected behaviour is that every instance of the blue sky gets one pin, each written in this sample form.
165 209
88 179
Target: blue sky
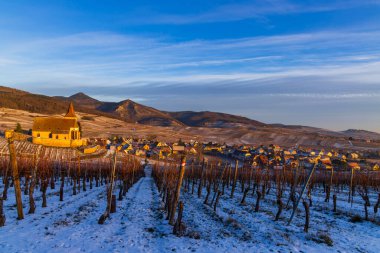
305 62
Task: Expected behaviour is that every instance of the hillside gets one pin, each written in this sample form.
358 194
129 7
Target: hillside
213 119
35 103
21 100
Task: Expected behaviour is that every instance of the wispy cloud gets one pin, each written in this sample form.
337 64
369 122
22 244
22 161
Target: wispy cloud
270 74
326 96
101 58
256 9
6 61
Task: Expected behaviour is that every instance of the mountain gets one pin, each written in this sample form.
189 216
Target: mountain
361 134
83 100
133 112
130 111
213 119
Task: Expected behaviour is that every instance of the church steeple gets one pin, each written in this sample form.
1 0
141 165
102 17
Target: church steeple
70 111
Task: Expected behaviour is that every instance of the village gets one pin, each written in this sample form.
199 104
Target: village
65 132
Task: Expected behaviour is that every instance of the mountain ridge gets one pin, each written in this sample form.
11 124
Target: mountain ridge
132 112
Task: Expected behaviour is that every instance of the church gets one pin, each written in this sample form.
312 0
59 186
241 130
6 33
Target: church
58 131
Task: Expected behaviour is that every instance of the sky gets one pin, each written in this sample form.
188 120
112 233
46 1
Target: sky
304 62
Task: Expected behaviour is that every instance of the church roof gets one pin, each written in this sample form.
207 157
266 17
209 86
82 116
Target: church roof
54 125
70 111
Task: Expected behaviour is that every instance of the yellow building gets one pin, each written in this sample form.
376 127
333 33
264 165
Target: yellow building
58 132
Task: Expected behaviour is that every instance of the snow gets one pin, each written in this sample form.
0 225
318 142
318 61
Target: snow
139 225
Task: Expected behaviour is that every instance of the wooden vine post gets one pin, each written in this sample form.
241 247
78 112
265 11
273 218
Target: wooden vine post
201 179
302 192
350 195
32 204
178 190
2 215
16 179
179 227
106 214
110 190
235 178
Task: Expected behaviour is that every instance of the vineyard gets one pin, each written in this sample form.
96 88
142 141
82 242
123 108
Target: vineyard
56 200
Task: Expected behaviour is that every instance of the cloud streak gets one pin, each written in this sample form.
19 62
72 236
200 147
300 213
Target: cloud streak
252 10
261 76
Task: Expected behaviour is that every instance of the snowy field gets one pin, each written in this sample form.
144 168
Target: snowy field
139 225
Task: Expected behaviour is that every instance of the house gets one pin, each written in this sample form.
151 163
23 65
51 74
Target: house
342 157
126 147
58 131
91 150
161 144
261 151
213 148
163 153
354 156
316 153
354 166
192 151
140 152
326 162
178 148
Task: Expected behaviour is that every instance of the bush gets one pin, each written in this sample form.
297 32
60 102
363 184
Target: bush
321 237
195 235
326 239
356 218
18 128
88 118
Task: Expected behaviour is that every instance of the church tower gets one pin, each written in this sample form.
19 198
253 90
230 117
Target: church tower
70 111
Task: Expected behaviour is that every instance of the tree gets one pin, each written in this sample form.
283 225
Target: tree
18 128
180 142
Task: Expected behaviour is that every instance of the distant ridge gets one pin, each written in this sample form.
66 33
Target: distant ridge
132 112
213 119
361 134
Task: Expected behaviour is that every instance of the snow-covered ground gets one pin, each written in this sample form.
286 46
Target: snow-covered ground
139 225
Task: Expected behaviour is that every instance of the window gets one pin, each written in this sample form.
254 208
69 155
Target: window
50 135
38 135
56 136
